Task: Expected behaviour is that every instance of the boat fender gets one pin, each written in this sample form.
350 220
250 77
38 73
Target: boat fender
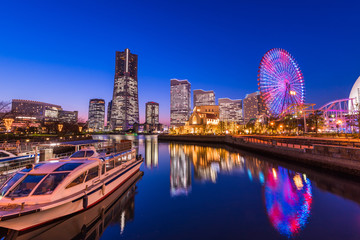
102 213
85 201
103 189
83 232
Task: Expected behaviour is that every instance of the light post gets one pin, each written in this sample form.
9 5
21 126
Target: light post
272 127
339 123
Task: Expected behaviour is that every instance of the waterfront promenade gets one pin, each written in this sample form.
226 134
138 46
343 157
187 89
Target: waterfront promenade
342 156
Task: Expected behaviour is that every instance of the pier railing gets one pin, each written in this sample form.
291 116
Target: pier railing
274 142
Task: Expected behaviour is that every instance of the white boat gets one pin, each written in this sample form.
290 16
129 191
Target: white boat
50 190
117 208
6 156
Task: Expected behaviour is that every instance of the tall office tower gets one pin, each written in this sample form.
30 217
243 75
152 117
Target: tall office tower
231 110
152 113
180 102
202 97
108 119
96 114
125 104
253 106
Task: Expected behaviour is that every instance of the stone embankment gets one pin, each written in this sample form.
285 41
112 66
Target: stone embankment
342 159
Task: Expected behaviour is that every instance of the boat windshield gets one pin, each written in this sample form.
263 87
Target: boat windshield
2 155
10 183
25 187
50 183
82 154
67 167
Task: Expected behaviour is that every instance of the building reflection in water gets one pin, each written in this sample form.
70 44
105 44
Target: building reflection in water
208 161
287 194
151 151
180 171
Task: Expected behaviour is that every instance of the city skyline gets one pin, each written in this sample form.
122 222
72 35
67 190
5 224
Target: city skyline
55 60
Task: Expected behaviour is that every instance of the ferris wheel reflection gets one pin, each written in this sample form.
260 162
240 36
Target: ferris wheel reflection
288 198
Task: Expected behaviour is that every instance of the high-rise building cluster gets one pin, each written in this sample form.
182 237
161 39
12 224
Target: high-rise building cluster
123 108
236 111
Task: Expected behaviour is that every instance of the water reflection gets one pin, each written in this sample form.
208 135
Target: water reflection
208 161
287 194
288 200
118 208
180 171
151 151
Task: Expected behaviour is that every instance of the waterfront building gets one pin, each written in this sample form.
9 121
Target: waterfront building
96 114
180 102
34 109
204 119
108 119
125 104
253 106
68 116
231 110
152 113
201 97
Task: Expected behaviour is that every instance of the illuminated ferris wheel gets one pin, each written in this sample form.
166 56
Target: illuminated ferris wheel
280 81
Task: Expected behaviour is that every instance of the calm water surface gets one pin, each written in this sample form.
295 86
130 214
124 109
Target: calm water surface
208 192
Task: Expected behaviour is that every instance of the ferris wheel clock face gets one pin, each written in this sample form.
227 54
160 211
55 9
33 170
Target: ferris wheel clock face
280 81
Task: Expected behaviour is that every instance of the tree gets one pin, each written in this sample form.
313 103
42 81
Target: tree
221 127
316 120
4 109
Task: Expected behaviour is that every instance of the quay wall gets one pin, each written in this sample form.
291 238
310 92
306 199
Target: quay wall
336 158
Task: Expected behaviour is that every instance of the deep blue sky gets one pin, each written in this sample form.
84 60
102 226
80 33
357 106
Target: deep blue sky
63 52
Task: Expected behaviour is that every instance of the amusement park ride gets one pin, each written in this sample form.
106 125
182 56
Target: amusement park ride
281 85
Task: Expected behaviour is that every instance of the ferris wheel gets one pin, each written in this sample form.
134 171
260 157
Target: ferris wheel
280 81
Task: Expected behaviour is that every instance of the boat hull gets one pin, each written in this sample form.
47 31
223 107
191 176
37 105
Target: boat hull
77 205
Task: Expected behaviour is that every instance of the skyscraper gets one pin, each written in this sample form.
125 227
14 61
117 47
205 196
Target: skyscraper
180 101
253 106
152 113
125 104
96 114
231 110
202 97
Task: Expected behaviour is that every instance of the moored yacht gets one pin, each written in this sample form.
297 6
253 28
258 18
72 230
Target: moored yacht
50 190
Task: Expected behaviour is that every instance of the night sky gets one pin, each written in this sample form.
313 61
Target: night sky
63 52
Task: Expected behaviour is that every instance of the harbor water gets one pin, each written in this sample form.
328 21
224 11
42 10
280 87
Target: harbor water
215 192
187 191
